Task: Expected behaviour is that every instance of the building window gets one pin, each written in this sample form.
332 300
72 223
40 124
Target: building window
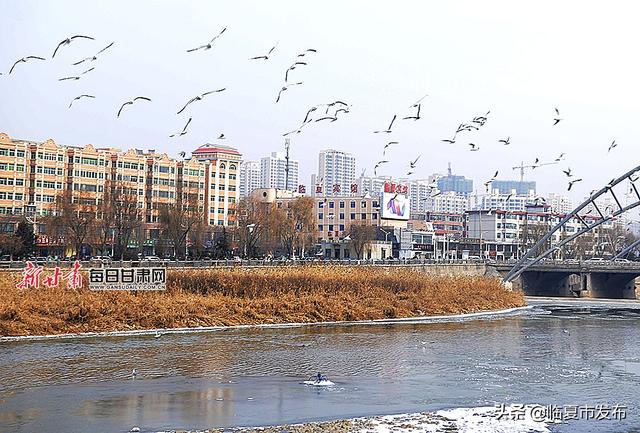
341 205
353 216
320 205
353 205
341 227
330 227
320 227
363 216
320 216
363 205
331 205
341 216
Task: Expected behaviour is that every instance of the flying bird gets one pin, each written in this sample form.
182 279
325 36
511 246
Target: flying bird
612 145
291 68
572 182
144 98
308 50
183 153
505 142
266 56
415 104
387 145
378 164
68 41
413 163
184 130
286 88
80 97
68 78
416 117
567 172
88 70
508 198
210 44
311 110
199 98
474 147
560 158
221 137
557 119
388 130
24 60
450 141
95 56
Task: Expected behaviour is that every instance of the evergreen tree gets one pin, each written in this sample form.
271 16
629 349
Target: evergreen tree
25 233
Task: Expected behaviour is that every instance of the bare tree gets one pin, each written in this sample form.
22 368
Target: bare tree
179 220
361 235
74 218
298 227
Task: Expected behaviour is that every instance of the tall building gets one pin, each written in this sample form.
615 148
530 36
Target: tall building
495 200
250 177
336 172
455 183
273 172
446 202
35 176
514 186
559 203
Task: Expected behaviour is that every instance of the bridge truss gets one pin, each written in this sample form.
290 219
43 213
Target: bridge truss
529 260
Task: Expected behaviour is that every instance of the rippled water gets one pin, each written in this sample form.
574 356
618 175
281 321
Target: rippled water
570 355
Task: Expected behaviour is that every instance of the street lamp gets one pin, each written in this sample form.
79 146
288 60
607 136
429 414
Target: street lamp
249 228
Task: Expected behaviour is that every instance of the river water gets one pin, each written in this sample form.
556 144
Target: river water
581 353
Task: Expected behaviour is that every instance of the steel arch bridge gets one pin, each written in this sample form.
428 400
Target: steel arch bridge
529 260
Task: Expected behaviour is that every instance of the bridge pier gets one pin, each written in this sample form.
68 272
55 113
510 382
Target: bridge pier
608 285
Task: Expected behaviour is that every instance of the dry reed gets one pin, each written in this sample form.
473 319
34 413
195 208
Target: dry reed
209 297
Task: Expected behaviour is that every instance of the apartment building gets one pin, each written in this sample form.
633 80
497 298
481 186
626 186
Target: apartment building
33 175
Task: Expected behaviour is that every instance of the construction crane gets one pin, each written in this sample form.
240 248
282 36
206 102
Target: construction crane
522 167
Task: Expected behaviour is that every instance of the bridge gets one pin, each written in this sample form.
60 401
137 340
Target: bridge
536 275
574 278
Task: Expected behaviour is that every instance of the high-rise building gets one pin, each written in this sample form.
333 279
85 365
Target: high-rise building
273 172
495 200
455 183
250 177
336 172
559 203
446 202
516 187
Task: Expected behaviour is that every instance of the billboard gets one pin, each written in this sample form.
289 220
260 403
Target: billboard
395 206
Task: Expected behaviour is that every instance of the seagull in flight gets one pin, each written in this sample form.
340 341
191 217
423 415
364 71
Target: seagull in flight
388 130
80 97
416 117
567 172
88 70
560 158
210 44
184 130
291 68
24 60
412 164
308 50
311 110
451 141
387 145
182 155
286 88
266 56
415 104
612 145
474 147
505 142
68 78
572 182
199 98
378 164
221 137
332 118
94 57
144 98
68 41
557 119
495 175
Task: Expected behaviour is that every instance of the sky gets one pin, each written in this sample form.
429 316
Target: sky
518 60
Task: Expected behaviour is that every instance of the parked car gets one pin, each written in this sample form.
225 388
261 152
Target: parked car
621 261
152 259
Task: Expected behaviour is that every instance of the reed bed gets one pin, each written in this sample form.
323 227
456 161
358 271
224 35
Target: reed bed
213 297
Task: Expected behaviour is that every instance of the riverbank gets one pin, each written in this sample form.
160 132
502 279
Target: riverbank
238 296
481 419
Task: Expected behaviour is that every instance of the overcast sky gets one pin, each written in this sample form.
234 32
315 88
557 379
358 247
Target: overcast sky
517 59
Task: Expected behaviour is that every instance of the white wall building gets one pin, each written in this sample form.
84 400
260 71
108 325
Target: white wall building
272 172
497 201
336 172
446 202
250 178
559 203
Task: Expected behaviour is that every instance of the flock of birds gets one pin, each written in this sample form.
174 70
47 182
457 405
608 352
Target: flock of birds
324 112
